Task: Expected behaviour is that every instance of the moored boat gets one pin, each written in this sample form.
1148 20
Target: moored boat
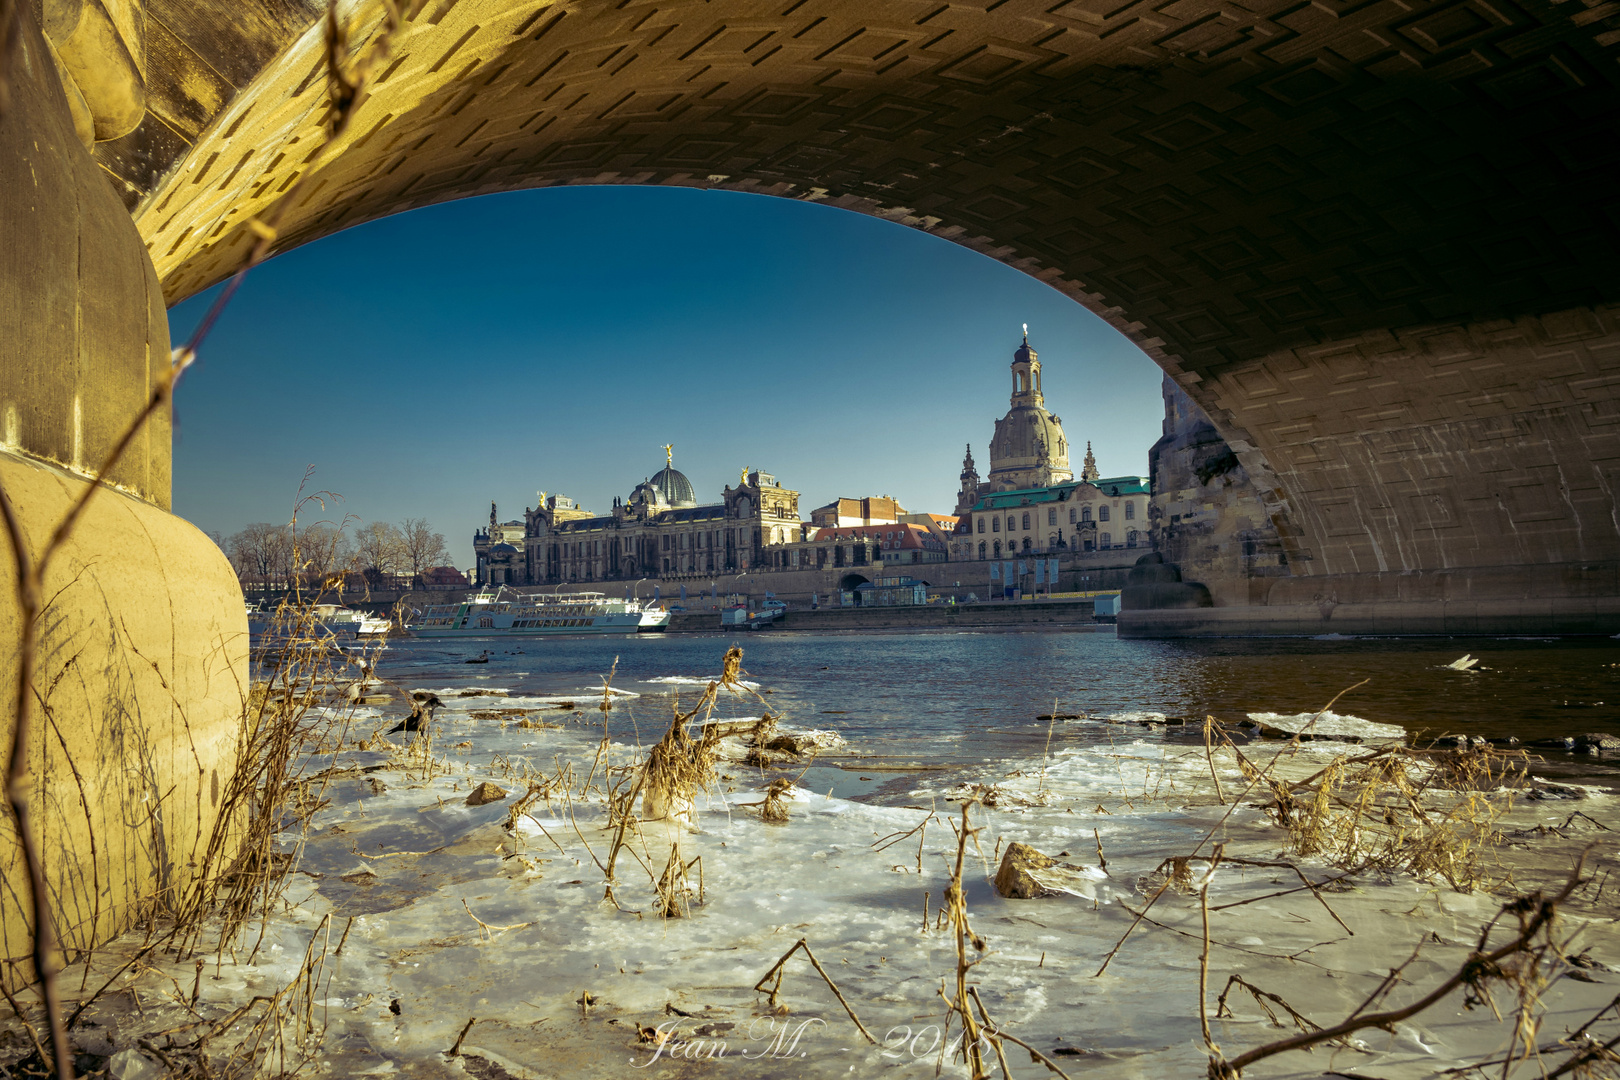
373 625
505 612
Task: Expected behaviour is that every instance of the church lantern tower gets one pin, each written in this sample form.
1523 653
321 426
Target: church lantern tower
1026 373
1029 449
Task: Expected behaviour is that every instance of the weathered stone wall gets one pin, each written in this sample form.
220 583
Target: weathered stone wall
1459 445
1447 479
1205 515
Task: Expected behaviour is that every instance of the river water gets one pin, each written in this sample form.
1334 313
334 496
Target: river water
949 697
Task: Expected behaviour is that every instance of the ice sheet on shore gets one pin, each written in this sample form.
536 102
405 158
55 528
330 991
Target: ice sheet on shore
1329 725
825 876
688 680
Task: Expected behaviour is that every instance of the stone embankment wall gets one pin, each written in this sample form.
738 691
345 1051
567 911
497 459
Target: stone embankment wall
1043 614
1084 572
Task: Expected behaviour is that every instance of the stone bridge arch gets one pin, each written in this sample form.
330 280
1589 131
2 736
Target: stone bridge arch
1373 239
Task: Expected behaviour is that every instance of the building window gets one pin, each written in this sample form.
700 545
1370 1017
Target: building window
998 549
1026 519
1130 538
1106 538
1102 515
1051 517
981 549
995 526
981 524
1085 514
1026 543
1130 510
1071 515
1012 523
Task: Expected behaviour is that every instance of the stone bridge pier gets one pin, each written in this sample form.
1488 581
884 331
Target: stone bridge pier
1454 478
1375 240
141 669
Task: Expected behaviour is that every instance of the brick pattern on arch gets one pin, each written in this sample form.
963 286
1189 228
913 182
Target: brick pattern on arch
1273 198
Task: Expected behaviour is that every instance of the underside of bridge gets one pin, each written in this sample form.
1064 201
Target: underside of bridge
1375 241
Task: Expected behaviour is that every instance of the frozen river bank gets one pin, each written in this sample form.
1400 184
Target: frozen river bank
412 912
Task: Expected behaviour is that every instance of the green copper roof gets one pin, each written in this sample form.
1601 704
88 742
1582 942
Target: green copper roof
1114 486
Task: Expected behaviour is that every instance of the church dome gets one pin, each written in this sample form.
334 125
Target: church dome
674 488
1029 439
646 493
1029 449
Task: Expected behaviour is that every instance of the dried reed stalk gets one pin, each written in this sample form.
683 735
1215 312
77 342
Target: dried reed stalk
1422 812
1259 776
955 911
777 970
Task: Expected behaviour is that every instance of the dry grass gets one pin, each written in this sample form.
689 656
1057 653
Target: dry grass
773 808
1428 813
674 886
980 1033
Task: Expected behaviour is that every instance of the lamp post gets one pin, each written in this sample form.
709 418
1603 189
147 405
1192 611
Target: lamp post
635 592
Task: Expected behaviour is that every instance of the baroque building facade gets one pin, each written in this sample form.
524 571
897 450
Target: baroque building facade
662 531
1030 502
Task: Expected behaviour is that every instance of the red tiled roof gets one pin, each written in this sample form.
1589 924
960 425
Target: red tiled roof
894 537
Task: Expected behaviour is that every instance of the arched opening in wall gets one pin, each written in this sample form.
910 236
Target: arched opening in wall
545 319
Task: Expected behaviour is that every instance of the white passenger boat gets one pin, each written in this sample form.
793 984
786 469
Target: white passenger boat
373 626
505 612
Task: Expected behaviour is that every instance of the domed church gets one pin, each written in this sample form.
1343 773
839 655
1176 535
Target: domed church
1029 449
1031 502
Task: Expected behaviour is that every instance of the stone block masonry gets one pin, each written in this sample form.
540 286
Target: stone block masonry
142 659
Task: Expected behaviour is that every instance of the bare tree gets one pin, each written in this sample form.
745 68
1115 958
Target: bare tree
424 548
323 549
261 553
379 546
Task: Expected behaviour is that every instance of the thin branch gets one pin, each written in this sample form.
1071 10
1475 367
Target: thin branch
1541 909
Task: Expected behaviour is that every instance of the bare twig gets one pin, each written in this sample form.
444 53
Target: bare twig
455 1051
1236 802
776 969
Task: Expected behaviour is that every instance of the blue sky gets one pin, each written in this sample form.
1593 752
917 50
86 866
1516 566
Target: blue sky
552 340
